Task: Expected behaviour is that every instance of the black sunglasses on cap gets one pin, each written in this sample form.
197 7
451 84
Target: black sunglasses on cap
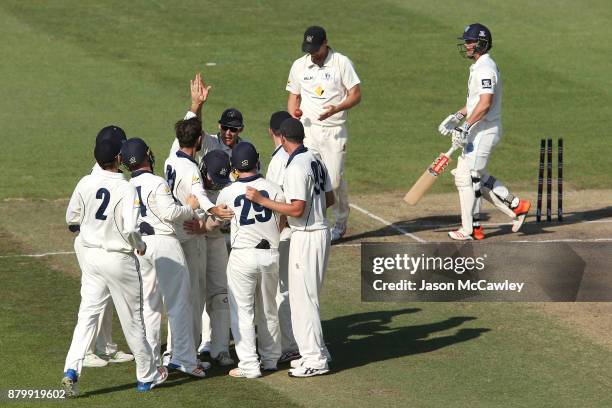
230 128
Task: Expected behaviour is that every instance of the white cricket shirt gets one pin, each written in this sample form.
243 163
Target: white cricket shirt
321 86
157 206
252 222
307 179
485 79
276 167
183 177
106 206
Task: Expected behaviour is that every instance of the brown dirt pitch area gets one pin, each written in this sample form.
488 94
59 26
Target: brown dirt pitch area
587 218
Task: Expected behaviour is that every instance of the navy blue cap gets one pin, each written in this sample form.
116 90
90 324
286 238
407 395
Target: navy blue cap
231 117
106 151
244 156
313 39
134 152
292 129
277 118
477 32
216 163
113 133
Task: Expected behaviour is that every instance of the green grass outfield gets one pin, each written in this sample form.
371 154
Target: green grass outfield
71 67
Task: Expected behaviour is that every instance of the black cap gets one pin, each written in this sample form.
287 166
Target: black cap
277 118
313 39
292 129
134 152
217 164
231 117
106 151
244 156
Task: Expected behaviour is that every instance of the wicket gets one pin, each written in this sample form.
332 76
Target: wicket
546 146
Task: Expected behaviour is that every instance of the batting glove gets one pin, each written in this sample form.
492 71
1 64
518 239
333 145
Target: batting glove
460 135
450 123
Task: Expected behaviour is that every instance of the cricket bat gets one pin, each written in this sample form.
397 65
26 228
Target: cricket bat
424 183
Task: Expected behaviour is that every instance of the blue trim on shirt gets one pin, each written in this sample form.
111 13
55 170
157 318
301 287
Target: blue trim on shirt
180 153
301 149
277 149
139 172
250 178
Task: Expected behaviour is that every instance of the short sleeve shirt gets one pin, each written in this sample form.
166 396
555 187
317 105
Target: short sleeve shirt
485 79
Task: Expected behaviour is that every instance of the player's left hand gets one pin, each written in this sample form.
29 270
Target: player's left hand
194 227
253 195
460 135
329 110
222 211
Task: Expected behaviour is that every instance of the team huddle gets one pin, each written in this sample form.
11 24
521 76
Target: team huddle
151 245
154 245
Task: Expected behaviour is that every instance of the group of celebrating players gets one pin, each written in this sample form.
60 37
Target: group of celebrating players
158 244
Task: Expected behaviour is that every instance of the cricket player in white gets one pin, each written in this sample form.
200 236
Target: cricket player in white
108 206
184 178
164 270
276 174
216 170
103 349
252 270
308 192
322 86
479 135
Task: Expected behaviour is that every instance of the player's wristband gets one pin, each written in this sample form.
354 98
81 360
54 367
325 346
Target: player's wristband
459 115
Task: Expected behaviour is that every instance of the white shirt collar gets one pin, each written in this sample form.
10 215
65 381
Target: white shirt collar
480 61
325 63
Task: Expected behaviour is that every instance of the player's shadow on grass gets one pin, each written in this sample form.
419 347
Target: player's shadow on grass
363 338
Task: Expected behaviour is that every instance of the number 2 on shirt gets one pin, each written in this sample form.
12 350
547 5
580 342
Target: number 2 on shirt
262 214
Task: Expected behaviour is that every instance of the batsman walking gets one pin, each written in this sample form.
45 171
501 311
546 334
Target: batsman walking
478 135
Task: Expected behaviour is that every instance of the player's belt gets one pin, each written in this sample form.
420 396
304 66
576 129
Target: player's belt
263 244
146 229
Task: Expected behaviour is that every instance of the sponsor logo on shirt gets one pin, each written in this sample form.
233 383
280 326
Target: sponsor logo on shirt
308 78
319 90
486 84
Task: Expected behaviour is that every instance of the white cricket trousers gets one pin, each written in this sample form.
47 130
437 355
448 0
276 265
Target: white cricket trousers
308 256
102 342
252 277
282 298
217 306
330 143
166 283
195 255
113 275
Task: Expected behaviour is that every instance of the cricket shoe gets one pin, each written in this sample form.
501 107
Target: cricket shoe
478 233
224 359
69 383
460 235
296 363
162 375
521 211
289 356
240 373
166 357
303 371
92 360
119 357
196 372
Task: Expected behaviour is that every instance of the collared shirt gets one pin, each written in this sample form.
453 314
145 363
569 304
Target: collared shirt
106 205
252 222
184 178
322 86
157 206
276 167
485 79
307 179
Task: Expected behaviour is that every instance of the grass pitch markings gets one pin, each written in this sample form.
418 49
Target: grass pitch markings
387 223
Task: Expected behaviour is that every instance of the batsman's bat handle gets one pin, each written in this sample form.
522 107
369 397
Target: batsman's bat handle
451 150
